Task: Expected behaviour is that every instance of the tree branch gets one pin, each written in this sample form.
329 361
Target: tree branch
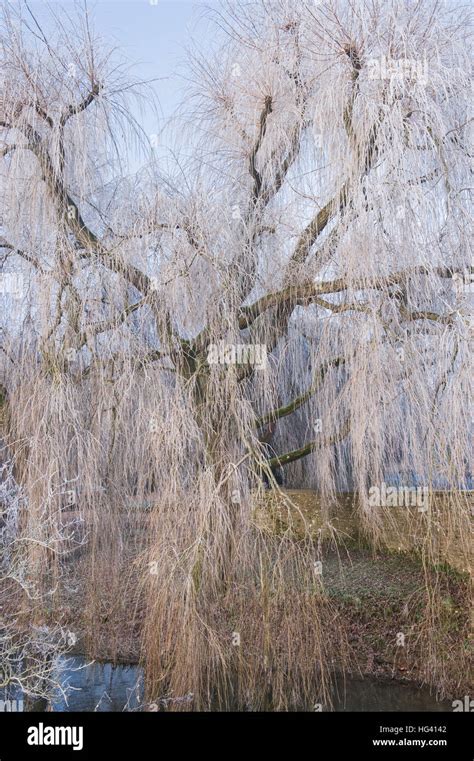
298 401
306 293
72 110
257 179
105 325
311 446
24 254
71 216
319 222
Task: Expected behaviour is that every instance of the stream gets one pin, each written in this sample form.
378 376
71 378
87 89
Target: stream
105 687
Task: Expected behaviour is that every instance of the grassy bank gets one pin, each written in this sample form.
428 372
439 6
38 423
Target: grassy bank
398 618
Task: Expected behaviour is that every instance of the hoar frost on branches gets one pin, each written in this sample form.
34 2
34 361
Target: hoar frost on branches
318 207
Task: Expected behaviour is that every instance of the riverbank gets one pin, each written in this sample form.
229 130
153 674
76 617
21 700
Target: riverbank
402 621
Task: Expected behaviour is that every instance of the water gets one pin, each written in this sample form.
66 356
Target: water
98 686
103 687
375 695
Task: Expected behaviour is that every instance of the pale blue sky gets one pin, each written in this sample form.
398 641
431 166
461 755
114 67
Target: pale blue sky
152 35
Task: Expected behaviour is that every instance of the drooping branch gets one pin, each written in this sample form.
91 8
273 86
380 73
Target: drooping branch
298 401
309 236
311 446
271 189
28 257
69 211
105 325
140 362
340 200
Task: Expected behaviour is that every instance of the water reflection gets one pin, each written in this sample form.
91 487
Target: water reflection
103 687
98 687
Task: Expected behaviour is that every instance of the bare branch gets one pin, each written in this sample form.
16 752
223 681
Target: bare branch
298 401
311 446
302 295
77 108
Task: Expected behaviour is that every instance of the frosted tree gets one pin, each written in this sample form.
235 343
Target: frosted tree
291 293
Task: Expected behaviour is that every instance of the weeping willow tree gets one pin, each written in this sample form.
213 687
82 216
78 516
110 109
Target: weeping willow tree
289 292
